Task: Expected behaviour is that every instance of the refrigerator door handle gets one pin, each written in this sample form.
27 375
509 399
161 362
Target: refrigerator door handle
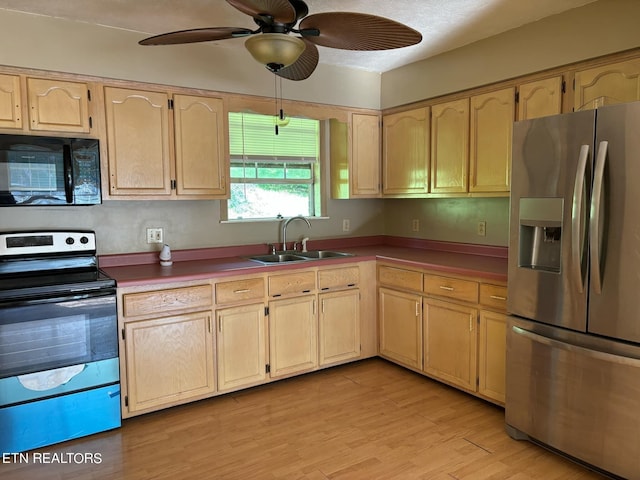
570 347
594 222
577 239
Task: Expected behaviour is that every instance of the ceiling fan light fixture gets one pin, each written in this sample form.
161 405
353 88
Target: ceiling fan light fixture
275 50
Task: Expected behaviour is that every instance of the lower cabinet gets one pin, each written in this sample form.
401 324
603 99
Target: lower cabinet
339 326
168 360
400 318
241 346
492 355
293 335
450 342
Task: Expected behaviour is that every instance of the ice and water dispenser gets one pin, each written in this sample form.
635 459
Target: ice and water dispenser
540 234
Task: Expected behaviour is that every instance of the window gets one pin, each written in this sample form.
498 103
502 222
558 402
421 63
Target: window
273 175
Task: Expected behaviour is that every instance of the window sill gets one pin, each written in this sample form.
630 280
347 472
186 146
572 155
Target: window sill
267 220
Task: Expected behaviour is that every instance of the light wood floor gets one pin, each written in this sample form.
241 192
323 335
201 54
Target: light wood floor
365 421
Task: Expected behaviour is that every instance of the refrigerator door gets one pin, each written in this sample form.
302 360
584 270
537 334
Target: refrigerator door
574 392
550 191
614 300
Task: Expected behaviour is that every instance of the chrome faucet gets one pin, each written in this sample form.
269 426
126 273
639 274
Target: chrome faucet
284 228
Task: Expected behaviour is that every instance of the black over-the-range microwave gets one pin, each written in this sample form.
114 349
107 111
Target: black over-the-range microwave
38 170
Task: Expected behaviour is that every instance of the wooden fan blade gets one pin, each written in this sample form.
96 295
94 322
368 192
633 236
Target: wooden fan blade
358 31
196 35
281 10
304 66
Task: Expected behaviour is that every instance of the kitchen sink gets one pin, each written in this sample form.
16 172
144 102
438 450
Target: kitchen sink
290 257
313 254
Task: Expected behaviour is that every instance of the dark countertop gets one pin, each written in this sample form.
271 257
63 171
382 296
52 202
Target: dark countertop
470 262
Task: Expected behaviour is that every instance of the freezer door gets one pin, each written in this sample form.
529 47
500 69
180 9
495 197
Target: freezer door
550 191
614 302
575 392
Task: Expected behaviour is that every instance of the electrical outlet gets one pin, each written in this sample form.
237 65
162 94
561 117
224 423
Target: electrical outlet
415 225
346 225
482 228
154 235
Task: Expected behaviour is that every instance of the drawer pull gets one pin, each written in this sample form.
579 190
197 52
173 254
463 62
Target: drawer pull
244 290
498 297
444 287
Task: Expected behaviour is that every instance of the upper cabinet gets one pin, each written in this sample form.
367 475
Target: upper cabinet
540 98
355 156
450 146
492 116
405 158
10 102
48 105
613 83
142 135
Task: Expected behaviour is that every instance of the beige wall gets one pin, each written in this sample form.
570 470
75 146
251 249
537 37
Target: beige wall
599 28
36 42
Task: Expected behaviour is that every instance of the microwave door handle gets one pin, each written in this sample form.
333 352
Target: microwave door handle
594 222
577 237
68 173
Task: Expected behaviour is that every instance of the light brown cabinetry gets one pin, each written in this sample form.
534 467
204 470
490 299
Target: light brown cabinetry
355 156
450 342
607 84
166 349
10 102
492 116
240 332
540 98
142 135
450 146
43 105
339 315
405 158
492 342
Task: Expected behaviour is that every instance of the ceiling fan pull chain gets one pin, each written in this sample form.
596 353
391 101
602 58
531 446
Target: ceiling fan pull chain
275 95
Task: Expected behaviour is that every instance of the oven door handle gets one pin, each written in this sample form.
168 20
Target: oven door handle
59 297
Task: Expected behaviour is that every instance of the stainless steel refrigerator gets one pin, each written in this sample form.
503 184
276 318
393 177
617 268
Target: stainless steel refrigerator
573 337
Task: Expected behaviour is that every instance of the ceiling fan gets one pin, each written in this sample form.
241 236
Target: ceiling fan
295 57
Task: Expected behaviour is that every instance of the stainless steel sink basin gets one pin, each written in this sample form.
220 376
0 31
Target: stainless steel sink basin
290 257
278 258
324 254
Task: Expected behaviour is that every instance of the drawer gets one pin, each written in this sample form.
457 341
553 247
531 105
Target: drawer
162 301
239 290
493 296
338 278
455 288
400 278
292 283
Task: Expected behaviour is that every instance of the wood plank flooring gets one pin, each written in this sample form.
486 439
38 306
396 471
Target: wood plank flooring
365 421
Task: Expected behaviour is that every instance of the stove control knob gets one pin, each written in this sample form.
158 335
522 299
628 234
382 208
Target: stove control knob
84 240
69 241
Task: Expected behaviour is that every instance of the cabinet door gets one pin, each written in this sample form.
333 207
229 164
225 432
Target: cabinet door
401 327
138 142
540 98
200 143
169 360
450 342
339 326
492 355
10 102
364 175
450 146
405 159
58 106
609 84
241 346
293 335
492 116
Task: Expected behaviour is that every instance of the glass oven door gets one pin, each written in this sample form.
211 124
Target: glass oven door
39 334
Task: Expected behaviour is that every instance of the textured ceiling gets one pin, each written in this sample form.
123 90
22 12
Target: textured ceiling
444 24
